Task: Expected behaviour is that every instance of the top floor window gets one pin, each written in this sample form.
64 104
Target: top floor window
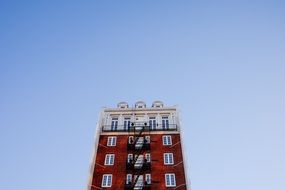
152 123
114 124
127 123
157 104
140 104
123 105
165 122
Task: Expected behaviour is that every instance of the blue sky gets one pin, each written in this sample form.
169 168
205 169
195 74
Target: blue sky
222 62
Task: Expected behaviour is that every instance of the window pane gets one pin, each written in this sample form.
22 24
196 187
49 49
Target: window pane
167 180
172 180
104 180
170 158
165 140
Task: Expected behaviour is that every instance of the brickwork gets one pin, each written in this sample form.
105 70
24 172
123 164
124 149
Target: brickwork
158 168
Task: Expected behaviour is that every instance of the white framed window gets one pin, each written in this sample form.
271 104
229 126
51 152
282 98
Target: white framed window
152 123
147 157
165 122
130 158
147 178
106 180
147 139
109 159
166 140
127 123
168 158
114 124
170 180
131 140
129 179
111 141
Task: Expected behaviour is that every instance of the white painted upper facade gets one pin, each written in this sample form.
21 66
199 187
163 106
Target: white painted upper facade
165 117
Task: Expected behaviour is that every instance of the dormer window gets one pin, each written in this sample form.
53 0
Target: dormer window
140 105
123 105
157 104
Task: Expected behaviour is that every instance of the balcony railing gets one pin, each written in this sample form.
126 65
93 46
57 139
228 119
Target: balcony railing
122 128
138 166
138 146
130 186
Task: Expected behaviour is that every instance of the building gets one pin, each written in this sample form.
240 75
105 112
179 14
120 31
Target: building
138 148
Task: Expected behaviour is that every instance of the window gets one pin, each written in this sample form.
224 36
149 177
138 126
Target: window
165 122
123 105
130 158
147 157
129 179
109 159
114 124
147 139
107 180
140 104
152 123
147 178
166 140
111 141
170 180
168 158
127 123
131 139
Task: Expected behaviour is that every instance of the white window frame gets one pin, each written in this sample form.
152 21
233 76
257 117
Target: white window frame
148 157
112 141
109 159
168 158
129 178
129 139
114 123
166 140
147 138
165 122
107 180
148 179
127 123
170 180
130 156
152 122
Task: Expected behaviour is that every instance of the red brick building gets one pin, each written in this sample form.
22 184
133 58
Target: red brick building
138 148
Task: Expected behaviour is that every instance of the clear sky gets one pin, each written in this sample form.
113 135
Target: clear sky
222 62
